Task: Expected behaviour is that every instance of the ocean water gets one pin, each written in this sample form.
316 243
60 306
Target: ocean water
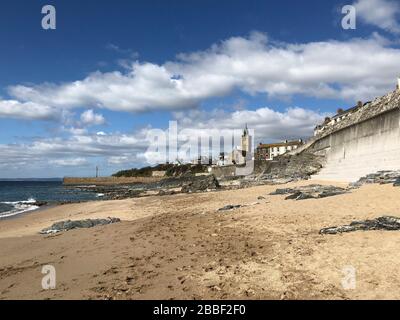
17 197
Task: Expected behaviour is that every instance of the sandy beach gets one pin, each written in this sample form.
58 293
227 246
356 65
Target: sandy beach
180 247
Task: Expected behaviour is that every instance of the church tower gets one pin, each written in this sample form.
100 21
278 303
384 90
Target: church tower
246 142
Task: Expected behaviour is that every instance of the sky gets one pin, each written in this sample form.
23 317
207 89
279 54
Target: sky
94 91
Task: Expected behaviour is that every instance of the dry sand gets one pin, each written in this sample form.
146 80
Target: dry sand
179 247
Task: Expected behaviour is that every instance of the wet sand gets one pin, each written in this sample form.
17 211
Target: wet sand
180 247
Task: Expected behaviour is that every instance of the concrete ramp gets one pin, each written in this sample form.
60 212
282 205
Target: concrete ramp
352 169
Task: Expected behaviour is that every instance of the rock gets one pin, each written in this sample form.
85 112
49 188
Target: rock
381 177
282 191
300 196
39 203
382 223
69 225
166 192
201 183
313 191
261 198
230 207
287 168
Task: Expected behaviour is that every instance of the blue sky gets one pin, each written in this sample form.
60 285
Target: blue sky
87 93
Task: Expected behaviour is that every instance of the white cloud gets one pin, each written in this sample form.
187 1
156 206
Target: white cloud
27 110
383 14
357 69
118 49
90 118
76 131
269 125
73 162
82 147
118 160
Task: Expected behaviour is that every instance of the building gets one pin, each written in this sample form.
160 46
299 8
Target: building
240 155
269 151
340 116
202 160
223 161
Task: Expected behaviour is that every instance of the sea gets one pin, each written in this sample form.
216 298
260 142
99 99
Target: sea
17 197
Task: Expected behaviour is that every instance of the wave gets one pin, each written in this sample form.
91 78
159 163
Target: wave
12 208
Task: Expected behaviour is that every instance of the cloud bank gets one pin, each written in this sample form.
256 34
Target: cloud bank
131 150
357 69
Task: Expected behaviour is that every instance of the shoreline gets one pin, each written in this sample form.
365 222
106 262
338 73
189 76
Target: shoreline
181 247
50 208
21 214
46 207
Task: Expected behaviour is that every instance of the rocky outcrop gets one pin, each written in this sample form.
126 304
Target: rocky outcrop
314 191
39 203
69 225
187 183
382 223
381 177
202 183
287 168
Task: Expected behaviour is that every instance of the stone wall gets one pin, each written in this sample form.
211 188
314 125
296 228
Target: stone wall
110 180
226 171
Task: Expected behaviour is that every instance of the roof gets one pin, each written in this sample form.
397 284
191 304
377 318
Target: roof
338 115
369 110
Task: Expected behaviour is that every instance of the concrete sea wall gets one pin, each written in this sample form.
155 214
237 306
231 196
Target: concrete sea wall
362 148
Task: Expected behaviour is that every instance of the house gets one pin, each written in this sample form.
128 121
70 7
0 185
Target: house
269 151
340 116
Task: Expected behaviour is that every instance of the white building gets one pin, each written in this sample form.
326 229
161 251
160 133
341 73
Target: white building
270 151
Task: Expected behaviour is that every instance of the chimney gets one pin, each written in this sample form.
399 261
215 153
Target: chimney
359 104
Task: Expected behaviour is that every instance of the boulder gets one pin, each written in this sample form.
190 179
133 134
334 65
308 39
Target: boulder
69 225
313 191
201 183
40 203
380 177
166 192
382 223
